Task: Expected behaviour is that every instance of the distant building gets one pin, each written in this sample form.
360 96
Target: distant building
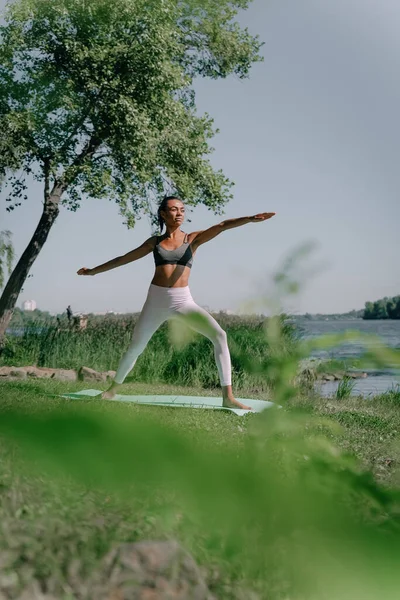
108 312
29 305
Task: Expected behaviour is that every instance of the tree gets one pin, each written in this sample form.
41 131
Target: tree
6 255
380 309
368 311
96 99
393 307
386 308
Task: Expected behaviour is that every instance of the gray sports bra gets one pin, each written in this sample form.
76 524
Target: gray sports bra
179 256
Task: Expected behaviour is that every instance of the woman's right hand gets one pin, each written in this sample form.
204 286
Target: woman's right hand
85 271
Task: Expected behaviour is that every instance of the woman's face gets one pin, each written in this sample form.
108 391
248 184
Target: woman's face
174 214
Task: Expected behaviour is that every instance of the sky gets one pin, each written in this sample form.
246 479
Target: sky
312 135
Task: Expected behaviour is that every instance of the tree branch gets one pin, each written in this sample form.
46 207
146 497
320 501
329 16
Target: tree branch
87 152
46 169
81 122
106 155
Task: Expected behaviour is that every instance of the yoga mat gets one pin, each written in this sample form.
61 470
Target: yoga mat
178 401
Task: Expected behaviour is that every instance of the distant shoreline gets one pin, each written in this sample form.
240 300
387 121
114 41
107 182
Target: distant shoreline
340 317
322 317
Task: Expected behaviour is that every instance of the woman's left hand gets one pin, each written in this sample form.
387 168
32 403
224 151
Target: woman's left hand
261 217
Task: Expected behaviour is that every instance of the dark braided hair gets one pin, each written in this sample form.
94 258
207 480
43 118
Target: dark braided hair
163 206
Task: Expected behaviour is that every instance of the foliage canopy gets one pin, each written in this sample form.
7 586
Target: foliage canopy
96 98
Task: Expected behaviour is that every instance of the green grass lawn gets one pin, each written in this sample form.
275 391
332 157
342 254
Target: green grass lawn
370 426
57 530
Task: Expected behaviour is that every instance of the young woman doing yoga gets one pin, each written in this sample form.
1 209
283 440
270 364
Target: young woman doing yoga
169 296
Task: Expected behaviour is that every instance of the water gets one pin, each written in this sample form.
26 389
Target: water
378 381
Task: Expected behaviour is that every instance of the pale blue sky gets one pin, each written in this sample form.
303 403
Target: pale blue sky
314 135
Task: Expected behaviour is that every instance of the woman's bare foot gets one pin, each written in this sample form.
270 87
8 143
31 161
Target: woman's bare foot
110 393
232 403
229 400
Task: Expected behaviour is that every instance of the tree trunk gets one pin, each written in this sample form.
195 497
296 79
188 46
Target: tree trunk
21 271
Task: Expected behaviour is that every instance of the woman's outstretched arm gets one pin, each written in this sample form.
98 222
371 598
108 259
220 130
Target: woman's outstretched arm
208 234
135 254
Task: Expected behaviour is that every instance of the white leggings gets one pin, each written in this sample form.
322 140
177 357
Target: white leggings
164 303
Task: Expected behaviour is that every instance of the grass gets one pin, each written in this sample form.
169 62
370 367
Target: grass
57 531
50 527
102 344
370 430
335 365
345 388
300 503
361 417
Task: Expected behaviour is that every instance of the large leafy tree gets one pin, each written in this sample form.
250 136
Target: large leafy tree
96 100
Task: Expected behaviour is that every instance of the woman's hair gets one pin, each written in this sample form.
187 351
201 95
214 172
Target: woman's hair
163 207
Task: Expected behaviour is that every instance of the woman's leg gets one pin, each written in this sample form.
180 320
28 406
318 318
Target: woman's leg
150 319
201 321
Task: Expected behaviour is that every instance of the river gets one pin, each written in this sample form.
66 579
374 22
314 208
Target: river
388 331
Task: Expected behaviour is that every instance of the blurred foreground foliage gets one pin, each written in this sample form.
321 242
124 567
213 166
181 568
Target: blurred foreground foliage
290 512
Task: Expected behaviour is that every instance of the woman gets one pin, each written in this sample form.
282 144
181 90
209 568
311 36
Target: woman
169 295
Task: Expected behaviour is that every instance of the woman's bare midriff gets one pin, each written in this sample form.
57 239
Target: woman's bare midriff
171 276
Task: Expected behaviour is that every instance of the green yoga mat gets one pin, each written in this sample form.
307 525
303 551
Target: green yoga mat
178 401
